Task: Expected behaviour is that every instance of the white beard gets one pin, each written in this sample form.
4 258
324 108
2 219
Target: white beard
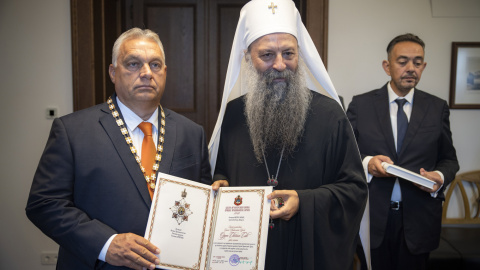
276 112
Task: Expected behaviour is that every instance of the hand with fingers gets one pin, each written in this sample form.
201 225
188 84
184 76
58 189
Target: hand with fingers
375 167
290 204
434 176
132 251
219 183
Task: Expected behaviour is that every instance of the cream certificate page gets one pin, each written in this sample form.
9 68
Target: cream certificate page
239 237
179 222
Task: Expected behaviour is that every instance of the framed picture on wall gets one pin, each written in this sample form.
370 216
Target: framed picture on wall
465 76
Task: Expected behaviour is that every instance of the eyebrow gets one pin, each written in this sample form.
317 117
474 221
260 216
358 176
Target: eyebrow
405 57
274 49
137 57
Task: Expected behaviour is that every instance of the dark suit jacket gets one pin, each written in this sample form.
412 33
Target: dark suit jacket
88 186
427 144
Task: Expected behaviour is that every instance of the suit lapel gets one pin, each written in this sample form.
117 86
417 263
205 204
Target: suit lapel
419 111
170 141
382 109
113 131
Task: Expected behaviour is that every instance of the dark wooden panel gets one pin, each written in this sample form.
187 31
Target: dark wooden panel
111 22
94 29
179 43
315 18
228 16
82 54
181 27
222 22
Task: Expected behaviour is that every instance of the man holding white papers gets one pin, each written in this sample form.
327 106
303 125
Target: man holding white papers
405 219
277 132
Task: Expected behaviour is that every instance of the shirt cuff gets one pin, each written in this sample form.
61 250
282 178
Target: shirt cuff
435 194
103 253
219 177
365 162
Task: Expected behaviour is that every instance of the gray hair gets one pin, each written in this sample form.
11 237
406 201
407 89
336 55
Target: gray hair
132 34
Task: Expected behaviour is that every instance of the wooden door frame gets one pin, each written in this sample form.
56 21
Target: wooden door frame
93 30
316 22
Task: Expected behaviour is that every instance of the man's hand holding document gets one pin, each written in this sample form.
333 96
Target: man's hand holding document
408 175
198 229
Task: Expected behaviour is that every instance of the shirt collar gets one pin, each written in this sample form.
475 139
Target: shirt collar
392 96
132 120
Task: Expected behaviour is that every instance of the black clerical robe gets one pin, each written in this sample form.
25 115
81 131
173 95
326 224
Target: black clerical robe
325 170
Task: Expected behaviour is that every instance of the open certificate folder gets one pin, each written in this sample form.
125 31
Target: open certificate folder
196 230
408 175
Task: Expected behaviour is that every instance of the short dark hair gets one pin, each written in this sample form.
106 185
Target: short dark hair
402 38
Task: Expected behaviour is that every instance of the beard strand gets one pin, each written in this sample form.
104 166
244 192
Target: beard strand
276 111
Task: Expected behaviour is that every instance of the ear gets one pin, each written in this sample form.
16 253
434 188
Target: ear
111 72
386 67
245 55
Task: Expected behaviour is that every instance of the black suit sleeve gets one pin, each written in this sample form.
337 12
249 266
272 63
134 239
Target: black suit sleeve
206 175
447 161
352 117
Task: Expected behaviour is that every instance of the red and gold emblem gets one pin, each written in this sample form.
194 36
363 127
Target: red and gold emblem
238 200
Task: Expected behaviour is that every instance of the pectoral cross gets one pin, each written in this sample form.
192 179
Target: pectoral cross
273 7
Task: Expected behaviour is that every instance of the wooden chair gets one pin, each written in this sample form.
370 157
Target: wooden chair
472 177
460 238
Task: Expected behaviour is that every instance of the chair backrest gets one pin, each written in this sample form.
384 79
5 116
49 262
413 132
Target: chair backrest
473 178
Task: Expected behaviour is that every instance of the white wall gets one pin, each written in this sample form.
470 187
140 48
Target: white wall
36 73
358 35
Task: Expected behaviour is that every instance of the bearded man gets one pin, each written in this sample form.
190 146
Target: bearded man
299 141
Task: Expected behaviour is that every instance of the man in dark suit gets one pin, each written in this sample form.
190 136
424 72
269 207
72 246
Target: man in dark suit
405 219
90 191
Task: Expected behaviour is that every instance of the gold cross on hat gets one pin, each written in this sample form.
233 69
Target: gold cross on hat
273 7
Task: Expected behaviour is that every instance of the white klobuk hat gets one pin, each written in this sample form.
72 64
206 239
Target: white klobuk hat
259 18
